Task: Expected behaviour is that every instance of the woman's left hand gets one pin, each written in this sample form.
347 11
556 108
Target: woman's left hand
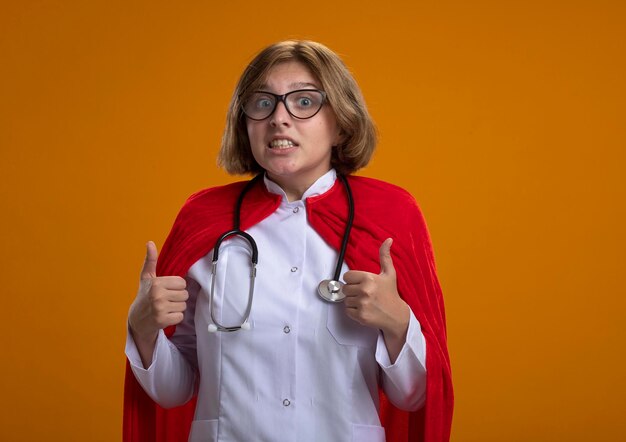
373 300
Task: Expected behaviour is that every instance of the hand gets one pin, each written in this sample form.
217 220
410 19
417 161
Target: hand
160 301
373 300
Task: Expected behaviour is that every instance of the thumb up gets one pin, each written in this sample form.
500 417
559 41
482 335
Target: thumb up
148 271
160 300
386 263
373 299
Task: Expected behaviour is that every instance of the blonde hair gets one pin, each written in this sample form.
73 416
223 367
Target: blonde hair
342 95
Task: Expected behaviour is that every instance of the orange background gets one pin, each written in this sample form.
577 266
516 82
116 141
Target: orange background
504 118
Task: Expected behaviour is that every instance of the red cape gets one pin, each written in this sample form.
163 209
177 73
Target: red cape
381 211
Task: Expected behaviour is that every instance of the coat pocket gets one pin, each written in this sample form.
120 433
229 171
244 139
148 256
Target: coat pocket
347 331
203 431
367 433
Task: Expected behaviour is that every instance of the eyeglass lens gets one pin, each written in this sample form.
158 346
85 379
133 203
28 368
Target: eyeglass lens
301 104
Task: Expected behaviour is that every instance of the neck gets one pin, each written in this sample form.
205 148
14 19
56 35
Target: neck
293 191
294 188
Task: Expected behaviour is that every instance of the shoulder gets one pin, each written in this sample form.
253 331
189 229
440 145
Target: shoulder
220 192
212 199
206 205
212 204
378 192
389 204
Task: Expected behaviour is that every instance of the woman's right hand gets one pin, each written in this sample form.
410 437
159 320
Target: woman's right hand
160 303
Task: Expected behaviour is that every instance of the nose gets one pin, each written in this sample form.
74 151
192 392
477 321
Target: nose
280 116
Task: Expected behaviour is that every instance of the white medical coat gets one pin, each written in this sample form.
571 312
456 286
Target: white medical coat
304 371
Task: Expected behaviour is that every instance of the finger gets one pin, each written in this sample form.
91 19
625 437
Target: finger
174 318
351 302
175 307
149 266
354 276
386 263
170 282
178 296
350 290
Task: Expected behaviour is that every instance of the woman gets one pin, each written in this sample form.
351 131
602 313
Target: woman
296 367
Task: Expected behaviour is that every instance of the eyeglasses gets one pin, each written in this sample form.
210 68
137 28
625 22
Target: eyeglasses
301 104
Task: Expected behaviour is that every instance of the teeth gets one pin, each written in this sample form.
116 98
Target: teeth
281 144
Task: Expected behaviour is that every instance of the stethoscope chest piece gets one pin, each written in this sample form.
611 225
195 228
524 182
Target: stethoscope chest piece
330 290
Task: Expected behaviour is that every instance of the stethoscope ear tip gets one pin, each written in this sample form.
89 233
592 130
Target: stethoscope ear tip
212 328
245 326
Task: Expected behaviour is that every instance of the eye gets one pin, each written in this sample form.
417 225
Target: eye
259 105
304 102
304 99
263 103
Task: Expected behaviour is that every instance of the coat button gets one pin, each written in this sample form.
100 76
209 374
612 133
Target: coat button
294 269
286 402
286 329
296 209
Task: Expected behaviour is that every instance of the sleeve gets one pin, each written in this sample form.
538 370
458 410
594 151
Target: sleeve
171 378
404 381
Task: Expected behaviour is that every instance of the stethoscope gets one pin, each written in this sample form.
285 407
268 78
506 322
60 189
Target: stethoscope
329 289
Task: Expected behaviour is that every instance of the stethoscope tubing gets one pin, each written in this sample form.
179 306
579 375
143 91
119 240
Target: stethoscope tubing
346 234
329 290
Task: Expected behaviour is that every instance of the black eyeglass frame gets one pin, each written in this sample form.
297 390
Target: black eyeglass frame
283 98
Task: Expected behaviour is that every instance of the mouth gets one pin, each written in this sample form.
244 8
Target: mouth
281 143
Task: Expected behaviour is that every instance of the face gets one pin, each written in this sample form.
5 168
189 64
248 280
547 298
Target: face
294 152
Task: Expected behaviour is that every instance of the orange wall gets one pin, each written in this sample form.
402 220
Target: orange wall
504 118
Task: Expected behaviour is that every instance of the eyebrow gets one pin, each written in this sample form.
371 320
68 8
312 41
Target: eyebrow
294 86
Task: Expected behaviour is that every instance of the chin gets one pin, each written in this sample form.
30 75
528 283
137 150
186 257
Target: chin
282 169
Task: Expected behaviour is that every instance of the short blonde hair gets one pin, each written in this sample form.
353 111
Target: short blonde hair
342 93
